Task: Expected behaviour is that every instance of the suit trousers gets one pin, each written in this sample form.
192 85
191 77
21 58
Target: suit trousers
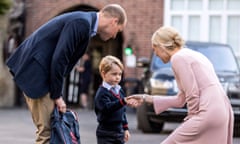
41 110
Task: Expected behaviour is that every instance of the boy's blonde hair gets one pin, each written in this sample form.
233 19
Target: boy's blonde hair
106 63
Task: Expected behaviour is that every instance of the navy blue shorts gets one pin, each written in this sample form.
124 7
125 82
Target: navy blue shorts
110 137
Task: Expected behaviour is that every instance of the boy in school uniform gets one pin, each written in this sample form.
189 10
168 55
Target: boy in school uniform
110 102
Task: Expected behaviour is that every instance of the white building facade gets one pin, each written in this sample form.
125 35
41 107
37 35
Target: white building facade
206 20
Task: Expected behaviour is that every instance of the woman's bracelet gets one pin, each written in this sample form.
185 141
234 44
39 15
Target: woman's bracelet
144 97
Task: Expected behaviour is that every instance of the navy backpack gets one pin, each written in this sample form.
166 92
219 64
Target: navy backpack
64 127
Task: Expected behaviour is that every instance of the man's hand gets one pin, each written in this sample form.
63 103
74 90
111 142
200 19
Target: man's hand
61 104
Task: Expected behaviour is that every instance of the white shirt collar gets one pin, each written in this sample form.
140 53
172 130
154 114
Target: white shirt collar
108 86
94 32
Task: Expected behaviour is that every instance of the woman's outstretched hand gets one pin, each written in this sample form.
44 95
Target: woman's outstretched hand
136 100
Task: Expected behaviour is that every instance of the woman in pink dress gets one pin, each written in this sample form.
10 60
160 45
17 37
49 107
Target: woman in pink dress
210 116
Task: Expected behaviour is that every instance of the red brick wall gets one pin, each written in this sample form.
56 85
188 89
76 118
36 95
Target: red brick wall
144 17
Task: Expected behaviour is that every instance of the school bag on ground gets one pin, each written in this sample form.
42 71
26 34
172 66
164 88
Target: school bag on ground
64 127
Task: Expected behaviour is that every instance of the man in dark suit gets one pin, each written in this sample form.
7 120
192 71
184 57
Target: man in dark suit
41 62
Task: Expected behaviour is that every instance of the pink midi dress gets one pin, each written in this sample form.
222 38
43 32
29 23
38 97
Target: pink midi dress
210 116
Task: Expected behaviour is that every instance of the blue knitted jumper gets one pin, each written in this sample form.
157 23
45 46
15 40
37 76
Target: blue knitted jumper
110 110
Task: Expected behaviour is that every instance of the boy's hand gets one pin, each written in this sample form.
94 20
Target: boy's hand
126 135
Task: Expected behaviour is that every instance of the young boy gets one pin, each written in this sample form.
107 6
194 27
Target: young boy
110 104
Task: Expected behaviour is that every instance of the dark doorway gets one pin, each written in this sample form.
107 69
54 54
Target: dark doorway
97 49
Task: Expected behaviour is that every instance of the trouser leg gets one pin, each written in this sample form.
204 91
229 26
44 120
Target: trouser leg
41 110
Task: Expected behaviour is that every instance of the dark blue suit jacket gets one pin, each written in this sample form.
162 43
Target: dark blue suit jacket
41 62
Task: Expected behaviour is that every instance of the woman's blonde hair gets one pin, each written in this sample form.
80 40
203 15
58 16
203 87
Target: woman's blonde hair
168 37
106 63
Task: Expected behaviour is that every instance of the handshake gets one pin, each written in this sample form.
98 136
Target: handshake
137 99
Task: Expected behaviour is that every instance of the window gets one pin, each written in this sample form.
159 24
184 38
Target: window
215 5
177 23
206 20
195 5
193 30
177 5
233 30
233 5
215 30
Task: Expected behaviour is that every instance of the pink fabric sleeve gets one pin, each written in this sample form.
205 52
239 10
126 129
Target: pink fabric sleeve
161 103
188 88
